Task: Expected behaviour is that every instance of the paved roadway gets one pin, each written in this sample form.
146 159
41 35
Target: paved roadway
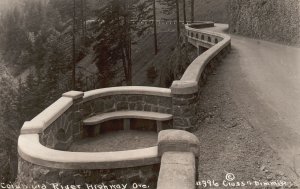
264 79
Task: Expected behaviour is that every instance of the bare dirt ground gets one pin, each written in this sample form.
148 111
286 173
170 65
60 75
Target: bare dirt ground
230 144
116 141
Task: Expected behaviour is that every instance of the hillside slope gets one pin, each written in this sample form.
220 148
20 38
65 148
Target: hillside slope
215 10
211 10
274 20
144 58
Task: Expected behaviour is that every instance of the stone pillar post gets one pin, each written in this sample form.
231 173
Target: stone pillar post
184 104
76 121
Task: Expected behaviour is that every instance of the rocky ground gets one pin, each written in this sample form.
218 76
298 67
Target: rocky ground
116 141
230 144
276 21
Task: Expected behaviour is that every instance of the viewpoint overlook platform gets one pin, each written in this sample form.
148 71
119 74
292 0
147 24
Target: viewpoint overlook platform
45 141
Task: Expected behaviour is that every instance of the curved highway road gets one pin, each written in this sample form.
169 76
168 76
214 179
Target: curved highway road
264 80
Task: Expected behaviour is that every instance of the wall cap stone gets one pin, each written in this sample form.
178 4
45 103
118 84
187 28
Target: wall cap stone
73 94
39 123
32 127
184 87
31 150
195 69
177 140
177 171
134 90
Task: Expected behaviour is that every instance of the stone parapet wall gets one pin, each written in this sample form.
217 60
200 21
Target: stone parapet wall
33 175
184 111
185 91
40 166
43 143
118 99
138 102
64 130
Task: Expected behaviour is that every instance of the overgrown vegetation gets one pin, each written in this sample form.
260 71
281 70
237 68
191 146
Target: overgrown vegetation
35 37
44 41
179 60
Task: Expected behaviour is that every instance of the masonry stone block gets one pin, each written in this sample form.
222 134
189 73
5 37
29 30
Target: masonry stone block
66 178
135 98
193 121
161 109
78 179
88 108
119 98
132 106
151 100
147 107
183 109
154 109
51 177
139 107
180 122
165 101
122 106
99 106
109 104
177 140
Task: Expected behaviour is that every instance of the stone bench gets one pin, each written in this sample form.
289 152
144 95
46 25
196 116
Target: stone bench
126 116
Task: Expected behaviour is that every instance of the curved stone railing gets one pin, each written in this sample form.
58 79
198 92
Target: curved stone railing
185 91
44 140
127 98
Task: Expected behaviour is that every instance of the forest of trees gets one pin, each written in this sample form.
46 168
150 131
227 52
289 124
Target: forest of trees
47 38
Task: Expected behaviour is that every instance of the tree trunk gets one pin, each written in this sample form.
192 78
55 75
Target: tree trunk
192 10
74 47
184 12
127 45
177 19
82 5
85 17
154 27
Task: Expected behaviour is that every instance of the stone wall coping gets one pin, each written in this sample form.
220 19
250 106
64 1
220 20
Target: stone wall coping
125 90
31 150
126 114
177 140
184 87
177 171
46 117
195 69
73 94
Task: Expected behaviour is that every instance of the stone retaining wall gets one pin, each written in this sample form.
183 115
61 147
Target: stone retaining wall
66 128
34 175
185 91
137 102
42 139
